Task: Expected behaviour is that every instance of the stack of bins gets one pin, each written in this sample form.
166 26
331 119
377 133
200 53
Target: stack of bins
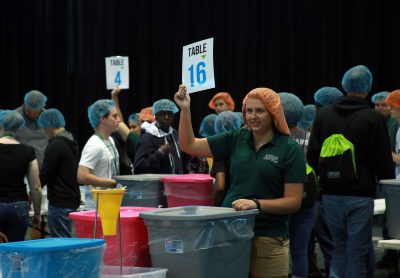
146 190
135 249
52 257
391 193
200 242
189 190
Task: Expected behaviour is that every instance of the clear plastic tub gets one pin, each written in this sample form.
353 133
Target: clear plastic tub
133 272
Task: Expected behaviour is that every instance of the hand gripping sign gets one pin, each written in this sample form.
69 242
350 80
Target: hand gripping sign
117 72
198 66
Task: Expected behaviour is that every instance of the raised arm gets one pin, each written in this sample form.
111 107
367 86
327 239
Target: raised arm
123 129
187 141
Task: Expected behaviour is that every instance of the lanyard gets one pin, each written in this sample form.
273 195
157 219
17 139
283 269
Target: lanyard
112 150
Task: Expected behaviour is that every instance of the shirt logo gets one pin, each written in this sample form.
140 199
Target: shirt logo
271 157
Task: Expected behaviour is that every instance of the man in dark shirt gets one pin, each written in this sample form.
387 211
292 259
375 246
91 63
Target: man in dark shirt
349 208
60 165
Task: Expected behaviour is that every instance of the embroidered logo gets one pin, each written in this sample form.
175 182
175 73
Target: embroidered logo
271 157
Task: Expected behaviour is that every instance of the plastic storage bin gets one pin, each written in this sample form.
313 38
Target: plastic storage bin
189 190
52 257
134 272
146 190
135 249
200 242
391 192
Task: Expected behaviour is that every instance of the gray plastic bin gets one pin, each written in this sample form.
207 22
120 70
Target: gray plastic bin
200 242
146 190
391 193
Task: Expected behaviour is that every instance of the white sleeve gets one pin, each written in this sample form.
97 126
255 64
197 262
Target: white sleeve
91 155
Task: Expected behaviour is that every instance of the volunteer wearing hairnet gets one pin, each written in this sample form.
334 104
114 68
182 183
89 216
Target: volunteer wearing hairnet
267 172
99 159
393 100
221 102
134 123
302 221
31 134
17 161
158 150
382 107
58 173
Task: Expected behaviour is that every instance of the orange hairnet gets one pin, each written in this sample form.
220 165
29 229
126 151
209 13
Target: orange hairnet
146 115
226 97
393 98
272 103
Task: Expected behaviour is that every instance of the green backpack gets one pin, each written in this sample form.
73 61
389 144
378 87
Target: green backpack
337 163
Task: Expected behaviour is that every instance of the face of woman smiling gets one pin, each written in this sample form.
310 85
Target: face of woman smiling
257 117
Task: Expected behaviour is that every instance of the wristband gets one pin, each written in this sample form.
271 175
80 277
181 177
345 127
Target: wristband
257 203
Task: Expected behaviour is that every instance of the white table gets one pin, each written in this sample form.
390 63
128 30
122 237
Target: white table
393 244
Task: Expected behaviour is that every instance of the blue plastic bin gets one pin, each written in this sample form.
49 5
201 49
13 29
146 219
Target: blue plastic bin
391 192
52 257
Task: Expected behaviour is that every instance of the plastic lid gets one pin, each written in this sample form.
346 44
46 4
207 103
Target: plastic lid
188 178
51 244
390 181
195 213
142 177
126 214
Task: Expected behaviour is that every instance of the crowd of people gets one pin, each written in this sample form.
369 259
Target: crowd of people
270 156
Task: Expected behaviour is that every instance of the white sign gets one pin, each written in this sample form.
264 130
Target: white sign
117 72
198 66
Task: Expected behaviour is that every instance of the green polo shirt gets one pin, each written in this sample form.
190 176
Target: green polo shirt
393 126
260 174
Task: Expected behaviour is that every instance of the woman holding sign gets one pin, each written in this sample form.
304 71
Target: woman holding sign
267 172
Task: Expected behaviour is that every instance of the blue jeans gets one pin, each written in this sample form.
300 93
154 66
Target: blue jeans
323 235
300 226
60 224
350 222
14 219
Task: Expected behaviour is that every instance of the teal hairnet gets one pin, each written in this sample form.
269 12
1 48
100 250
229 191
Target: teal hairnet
309 114
293 108
207 126
51 118
164 105
379 96
358 79
227 121
35 100
99 109
11 120
134 118
327 95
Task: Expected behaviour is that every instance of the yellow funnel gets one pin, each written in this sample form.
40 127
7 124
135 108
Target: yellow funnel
109 204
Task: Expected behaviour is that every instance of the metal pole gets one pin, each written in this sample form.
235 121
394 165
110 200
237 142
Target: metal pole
120 243
95 216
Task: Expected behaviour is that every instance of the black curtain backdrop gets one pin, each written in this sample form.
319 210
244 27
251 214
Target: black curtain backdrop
58 47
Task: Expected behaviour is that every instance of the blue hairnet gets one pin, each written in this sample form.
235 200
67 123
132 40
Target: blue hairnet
51 118
327 95
309 114
358 79
35 100
207 125
379 96
135 118
11 120
99 109
164 105
227 121
293 108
